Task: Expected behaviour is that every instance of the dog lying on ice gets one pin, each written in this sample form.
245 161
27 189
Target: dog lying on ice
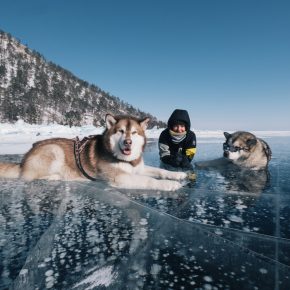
114 156
244 150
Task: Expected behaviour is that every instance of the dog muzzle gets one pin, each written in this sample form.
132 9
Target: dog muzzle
126 147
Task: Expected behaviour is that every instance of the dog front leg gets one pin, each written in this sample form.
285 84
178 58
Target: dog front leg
144 182
163 174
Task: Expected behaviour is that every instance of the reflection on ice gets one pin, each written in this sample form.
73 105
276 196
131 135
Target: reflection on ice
97 237
232 197
209 235
233 179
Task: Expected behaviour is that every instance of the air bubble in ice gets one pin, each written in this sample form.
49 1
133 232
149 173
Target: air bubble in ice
143 222
42 265
263 271
121 245
23 272
235 218
49 279
49 273
207 278
207 287
155 269
49 285
240 206
62 255
218 232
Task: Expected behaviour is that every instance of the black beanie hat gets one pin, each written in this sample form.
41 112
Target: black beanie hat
179 116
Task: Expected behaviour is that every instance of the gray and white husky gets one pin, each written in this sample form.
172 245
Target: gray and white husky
114 156
243 149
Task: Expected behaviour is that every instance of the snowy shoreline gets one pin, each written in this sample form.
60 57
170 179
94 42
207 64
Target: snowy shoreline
17 138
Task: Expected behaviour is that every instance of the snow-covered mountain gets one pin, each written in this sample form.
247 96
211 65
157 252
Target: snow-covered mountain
41 92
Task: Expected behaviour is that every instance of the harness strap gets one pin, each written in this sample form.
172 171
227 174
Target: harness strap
78 148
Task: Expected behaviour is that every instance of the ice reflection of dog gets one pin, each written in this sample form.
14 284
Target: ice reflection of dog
245 180
245 161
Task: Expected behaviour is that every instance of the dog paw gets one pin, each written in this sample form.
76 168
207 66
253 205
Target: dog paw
179 175
170 185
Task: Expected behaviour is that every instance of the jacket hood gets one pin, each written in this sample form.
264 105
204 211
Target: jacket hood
179 115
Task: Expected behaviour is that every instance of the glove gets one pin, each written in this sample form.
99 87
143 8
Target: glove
185 163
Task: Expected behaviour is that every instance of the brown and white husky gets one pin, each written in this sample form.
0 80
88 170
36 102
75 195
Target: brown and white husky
114 156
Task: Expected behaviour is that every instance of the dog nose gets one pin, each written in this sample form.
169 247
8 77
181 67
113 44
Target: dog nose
127 142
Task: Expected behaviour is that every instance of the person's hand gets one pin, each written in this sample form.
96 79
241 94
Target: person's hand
185 163
178 159
173 160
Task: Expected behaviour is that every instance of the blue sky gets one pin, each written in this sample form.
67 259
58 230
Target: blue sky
227 62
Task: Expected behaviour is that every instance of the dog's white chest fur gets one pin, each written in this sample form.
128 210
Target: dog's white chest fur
129 168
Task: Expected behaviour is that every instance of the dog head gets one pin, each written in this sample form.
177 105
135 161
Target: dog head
239 145
126 136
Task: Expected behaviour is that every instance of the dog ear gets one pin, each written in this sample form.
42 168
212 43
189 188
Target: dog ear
227 135
144 123
110 121
251 142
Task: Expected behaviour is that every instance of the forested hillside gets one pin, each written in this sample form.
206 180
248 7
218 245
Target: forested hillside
38 91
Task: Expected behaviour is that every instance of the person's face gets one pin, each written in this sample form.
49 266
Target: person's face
178 128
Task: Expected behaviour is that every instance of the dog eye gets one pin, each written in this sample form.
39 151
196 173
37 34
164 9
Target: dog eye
121 131
134 132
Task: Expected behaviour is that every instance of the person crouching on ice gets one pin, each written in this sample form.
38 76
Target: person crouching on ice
177 143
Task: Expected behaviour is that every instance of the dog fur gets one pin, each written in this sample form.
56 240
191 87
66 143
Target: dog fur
114 156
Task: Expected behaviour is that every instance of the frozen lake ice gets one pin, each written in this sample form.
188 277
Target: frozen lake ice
226 230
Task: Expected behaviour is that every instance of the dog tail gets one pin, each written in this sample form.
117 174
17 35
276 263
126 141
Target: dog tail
9 170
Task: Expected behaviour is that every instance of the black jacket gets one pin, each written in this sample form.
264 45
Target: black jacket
167 148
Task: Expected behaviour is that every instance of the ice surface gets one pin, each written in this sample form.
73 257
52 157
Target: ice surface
224 231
